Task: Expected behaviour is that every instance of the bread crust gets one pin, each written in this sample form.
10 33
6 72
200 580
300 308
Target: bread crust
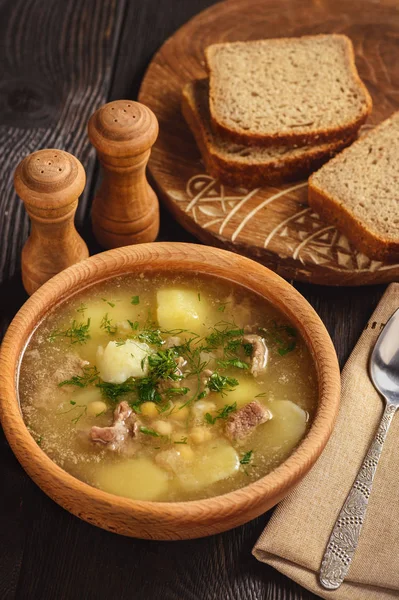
299 137
366 241
240 174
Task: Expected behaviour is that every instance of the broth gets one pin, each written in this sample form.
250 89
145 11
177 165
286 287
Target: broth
167 388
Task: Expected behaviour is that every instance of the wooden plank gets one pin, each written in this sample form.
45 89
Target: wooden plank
56 64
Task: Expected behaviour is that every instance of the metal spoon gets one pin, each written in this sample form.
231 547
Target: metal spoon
384 371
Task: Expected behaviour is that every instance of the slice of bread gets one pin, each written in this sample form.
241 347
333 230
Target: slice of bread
239 165
358 191
286 91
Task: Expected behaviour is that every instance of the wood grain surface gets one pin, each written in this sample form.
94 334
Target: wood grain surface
46 553
56 60
273 223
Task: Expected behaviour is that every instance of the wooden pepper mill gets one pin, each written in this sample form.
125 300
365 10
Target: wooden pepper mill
125 209
49 182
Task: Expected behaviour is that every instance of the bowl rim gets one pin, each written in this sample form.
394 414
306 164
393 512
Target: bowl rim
145 258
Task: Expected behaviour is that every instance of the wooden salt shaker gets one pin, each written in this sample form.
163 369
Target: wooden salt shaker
49 182
125 209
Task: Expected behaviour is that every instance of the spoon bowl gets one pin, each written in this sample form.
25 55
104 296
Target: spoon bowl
384 361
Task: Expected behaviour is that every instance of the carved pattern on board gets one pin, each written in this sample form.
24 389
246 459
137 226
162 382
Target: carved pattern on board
301 235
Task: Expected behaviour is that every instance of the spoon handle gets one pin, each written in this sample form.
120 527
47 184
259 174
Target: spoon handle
346 532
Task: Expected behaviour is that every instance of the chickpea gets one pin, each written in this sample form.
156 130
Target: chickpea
149 409
180 412
199 435
96 407
186 452
162 427
203 406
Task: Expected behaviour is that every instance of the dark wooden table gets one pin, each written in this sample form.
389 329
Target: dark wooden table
59 61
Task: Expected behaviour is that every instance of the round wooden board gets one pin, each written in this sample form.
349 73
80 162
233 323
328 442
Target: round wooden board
274 224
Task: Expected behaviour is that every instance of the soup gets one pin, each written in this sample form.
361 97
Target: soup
167 388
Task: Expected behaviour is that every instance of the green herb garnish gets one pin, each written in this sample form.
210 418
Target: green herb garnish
182 391
247 458
90 375
78 333
248 349
82 308
151 336
222 413
149 431
282 337
106 324
111 304
135 300
232 362
134 326
221 384
182 441
113 391
222 333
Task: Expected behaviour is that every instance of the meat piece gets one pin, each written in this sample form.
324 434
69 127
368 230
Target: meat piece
172 341
245 420
259 353
72 365
124 425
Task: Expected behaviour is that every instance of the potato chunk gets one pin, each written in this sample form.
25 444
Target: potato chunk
135 478
242 394
216 461
117 363
286 427
182 309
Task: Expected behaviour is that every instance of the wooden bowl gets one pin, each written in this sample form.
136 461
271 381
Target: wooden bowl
168 520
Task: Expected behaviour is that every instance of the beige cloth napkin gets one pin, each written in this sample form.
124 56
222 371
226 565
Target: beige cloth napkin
296 536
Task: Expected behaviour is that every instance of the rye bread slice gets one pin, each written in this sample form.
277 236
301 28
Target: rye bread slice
358 191
251 166
286 91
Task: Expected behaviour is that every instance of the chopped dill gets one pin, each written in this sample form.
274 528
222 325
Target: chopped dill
222 333
222 413
111 304
135 300
182 391
182 441
134 326
113 391
282 337
90 375
221 384
232 362
40 439
248 349
199 297
149 431
74 406
78 333
163 365
82 308
151 336
247 458
106 324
